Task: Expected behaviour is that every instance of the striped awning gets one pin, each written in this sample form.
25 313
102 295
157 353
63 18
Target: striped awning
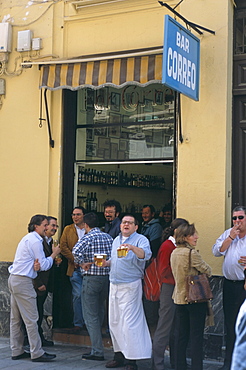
136 68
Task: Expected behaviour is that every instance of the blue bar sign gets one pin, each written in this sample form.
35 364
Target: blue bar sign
181 59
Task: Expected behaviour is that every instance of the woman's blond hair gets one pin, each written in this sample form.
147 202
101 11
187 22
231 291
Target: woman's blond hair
183 231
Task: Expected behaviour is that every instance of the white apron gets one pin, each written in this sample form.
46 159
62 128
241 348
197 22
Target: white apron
128 327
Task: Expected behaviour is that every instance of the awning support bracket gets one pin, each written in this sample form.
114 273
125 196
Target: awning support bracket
191 24
177 118
52 142
41 111
181 139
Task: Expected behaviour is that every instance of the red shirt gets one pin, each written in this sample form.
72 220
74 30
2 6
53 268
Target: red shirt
163 262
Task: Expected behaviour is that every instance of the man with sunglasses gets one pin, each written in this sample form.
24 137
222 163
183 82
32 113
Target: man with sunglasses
232 245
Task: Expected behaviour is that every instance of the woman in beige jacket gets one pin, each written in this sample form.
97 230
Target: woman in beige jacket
190 318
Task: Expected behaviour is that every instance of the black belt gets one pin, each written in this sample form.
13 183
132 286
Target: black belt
236 281
93 275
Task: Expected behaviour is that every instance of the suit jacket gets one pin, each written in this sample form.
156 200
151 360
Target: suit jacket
45 277
67 241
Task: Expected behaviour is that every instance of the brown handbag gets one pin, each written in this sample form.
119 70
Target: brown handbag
197 287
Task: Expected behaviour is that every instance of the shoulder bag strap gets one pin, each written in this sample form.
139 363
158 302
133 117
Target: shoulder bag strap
190 260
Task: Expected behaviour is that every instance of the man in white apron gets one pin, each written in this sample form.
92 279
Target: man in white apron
127 323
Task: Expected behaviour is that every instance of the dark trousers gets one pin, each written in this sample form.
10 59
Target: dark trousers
233 297
151 311
189 324
40 305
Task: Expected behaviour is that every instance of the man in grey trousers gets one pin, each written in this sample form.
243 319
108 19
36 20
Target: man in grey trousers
29 255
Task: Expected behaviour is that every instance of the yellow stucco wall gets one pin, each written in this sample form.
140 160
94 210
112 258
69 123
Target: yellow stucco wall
31 175
32 170
204 159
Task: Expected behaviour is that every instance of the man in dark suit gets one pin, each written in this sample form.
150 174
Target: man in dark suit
43 283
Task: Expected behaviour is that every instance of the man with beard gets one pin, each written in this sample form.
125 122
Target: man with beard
112 209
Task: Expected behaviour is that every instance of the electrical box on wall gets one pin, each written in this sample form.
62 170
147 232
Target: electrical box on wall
2 86
5 37
24 40
36 43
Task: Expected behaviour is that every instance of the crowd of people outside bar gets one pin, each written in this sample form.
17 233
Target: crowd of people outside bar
112 287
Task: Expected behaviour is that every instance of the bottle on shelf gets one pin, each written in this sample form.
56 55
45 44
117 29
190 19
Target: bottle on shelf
87 175
95 202
80 175
120 178
91 202
83 175
95 177
88 202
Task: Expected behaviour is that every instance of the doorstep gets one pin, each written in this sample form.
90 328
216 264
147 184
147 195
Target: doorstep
65 336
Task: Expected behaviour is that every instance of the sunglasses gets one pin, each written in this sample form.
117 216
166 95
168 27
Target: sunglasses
237 217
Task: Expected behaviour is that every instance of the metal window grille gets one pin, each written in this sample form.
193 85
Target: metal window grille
240 32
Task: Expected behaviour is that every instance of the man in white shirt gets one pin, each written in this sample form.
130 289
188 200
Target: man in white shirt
23 295
232 245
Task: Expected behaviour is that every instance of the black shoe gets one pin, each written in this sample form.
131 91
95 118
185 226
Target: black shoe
75 330
46 357
131 367
23 355
88 356
114 363
47 343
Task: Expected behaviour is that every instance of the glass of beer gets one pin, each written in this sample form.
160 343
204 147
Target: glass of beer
119 252
122 251
98 258
58 260
55 242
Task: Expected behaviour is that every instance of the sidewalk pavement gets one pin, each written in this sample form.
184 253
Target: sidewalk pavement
69 358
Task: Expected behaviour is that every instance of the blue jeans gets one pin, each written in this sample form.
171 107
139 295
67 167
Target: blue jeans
76 282
94 293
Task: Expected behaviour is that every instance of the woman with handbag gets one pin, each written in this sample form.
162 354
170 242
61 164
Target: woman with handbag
189 317
167 308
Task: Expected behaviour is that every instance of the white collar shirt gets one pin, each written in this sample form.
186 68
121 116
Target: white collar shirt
80 232
30 248
232 270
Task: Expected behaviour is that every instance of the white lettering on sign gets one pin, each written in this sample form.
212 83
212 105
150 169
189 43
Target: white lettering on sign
182 42
181 69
